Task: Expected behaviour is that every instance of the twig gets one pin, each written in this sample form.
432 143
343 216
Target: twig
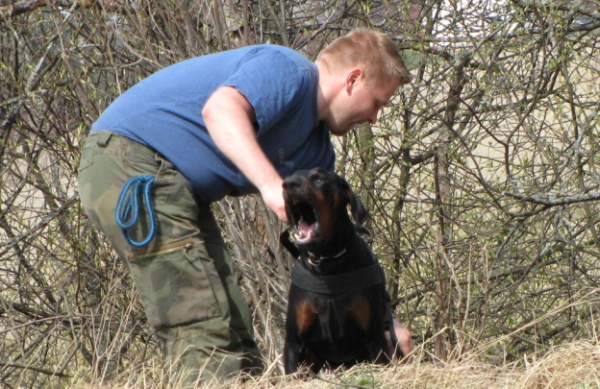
34 368
554 200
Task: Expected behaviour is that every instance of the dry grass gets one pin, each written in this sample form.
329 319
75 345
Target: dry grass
576 365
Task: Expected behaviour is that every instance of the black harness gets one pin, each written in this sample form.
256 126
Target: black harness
339 283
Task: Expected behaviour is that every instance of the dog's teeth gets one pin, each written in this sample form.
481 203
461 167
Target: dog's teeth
302 236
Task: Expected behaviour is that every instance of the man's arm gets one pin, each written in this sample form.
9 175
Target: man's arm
229 117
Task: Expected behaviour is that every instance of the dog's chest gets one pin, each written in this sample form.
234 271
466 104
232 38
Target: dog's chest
335 330
331 319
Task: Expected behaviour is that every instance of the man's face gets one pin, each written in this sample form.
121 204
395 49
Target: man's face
360 102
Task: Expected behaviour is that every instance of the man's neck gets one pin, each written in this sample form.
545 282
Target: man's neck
326 90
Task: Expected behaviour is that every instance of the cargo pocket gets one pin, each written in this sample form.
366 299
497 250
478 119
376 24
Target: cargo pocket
91 147
179 286
86 155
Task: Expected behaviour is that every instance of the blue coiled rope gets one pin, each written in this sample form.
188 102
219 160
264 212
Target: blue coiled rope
128 207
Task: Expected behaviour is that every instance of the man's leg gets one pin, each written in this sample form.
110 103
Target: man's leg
190 297
241 317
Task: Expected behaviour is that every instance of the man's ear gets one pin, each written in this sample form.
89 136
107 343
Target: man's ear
352 76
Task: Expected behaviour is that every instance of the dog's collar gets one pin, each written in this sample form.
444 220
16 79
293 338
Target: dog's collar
316 260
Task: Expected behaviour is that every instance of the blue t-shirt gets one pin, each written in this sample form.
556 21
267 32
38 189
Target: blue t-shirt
164 112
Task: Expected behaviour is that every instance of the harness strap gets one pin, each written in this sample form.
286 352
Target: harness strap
128 207
341 283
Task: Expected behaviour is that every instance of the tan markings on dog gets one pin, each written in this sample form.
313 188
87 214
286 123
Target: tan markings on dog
305 315
360 309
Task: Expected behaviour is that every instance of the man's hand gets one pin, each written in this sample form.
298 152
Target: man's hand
273 198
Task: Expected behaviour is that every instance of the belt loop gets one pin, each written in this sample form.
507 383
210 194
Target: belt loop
103 138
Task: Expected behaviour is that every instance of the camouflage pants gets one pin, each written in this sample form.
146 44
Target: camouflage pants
184 276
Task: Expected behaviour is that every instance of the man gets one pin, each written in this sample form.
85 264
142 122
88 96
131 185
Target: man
224 124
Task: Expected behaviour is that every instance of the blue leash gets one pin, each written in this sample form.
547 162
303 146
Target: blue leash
128 208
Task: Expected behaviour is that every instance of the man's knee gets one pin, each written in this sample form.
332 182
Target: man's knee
179 286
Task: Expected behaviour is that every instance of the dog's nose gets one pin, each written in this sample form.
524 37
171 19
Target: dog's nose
291 182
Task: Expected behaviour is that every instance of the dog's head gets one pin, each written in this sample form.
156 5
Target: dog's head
316 206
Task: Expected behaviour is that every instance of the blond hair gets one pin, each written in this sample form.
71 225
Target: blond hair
374 51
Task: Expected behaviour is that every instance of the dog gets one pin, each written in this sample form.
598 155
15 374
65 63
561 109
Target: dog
336 313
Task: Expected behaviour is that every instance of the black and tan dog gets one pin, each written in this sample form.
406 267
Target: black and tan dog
336 306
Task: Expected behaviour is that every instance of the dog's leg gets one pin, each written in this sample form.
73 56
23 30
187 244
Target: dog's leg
291 356
380 346
292 346
314 362
299 318
383 351
296 356
394 346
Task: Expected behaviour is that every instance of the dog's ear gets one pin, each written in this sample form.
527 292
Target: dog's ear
359 211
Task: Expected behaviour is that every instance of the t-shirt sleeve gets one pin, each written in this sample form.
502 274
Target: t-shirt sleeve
272 83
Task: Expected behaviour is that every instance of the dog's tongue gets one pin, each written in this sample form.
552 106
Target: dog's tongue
304 230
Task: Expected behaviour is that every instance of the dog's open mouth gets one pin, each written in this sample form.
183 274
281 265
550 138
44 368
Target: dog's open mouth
304 221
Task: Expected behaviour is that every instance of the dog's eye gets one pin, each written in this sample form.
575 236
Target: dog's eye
315 176
317 180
